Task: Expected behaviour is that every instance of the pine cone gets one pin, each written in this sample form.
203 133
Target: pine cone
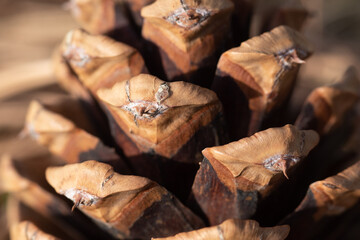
177 125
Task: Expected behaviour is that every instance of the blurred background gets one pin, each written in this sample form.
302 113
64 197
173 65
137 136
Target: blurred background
31 29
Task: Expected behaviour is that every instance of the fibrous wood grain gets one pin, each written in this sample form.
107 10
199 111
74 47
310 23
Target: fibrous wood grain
235 179
128 206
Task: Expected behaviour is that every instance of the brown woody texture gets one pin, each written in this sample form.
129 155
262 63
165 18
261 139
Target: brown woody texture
188 36
129 206
234 229
66 140
257 78
234 179
325 200
163 126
